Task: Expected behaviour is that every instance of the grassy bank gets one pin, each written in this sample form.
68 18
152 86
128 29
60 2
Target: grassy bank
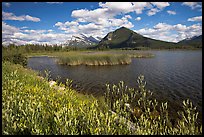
31 106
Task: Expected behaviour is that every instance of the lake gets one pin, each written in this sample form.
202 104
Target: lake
171 75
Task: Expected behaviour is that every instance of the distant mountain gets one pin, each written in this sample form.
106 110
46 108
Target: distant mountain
195 41
81 41
126 38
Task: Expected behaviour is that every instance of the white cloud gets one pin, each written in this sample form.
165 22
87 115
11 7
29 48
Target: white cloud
162 26
54 2
118 7
128 17
29 18
24 27
84 15
161 5
198 18
138 18
104 19
99 21
20 36
152 11
127 7
171 12
171 33
180 27
7 4
157 7
193 5
11 16
100 28
140 6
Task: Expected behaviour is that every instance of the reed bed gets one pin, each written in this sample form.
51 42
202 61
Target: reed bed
94 60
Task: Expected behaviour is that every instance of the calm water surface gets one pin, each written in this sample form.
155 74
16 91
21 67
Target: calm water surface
172 75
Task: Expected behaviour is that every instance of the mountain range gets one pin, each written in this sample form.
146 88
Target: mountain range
195 41
125 38
82 41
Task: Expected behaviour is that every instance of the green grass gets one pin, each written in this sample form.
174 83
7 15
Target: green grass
94 58
31 106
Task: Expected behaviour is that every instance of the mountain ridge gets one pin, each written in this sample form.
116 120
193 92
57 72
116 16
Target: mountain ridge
195 42
126 38
81 41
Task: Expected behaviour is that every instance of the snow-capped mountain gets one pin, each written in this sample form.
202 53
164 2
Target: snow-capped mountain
195 41
81 40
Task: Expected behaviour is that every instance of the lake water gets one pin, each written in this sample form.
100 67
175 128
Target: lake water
172 75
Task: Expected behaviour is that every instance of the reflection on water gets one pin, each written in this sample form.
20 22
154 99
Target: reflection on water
171 75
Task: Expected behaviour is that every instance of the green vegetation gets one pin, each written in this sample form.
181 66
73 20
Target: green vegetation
146 115
75 58
13 55
95 58
19 54
31 106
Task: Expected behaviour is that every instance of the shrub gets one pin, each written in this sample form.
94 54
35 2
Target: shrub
148 116
16 58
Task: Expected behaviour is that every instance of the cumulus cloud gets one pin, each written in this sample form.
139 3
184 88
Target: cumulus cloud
138 18
161 5
140 6
193 5
171 12
99 21
152 11
100 28
7 4
7 29
171 33
54 2
84 15
199 18
118 7
11 16
157 7
105 18
20 36
128 17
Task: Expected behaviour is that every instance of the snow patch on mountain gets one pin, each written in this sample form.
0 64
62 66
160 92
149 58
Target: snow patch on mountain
82 40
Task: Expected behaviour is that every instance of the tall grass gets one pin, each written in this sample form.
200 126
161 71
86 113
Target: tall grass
101 59
148 116
31 106
94 58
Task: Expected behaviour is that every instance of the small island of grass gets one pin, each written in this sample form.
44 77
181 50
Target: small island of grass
95 58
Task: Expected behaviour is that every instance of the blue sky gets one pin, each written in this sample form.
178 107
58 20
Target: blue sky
54 23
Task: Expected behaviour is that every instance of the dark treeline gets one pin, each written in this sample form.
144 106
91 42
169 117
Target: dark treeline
15 54
36 48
